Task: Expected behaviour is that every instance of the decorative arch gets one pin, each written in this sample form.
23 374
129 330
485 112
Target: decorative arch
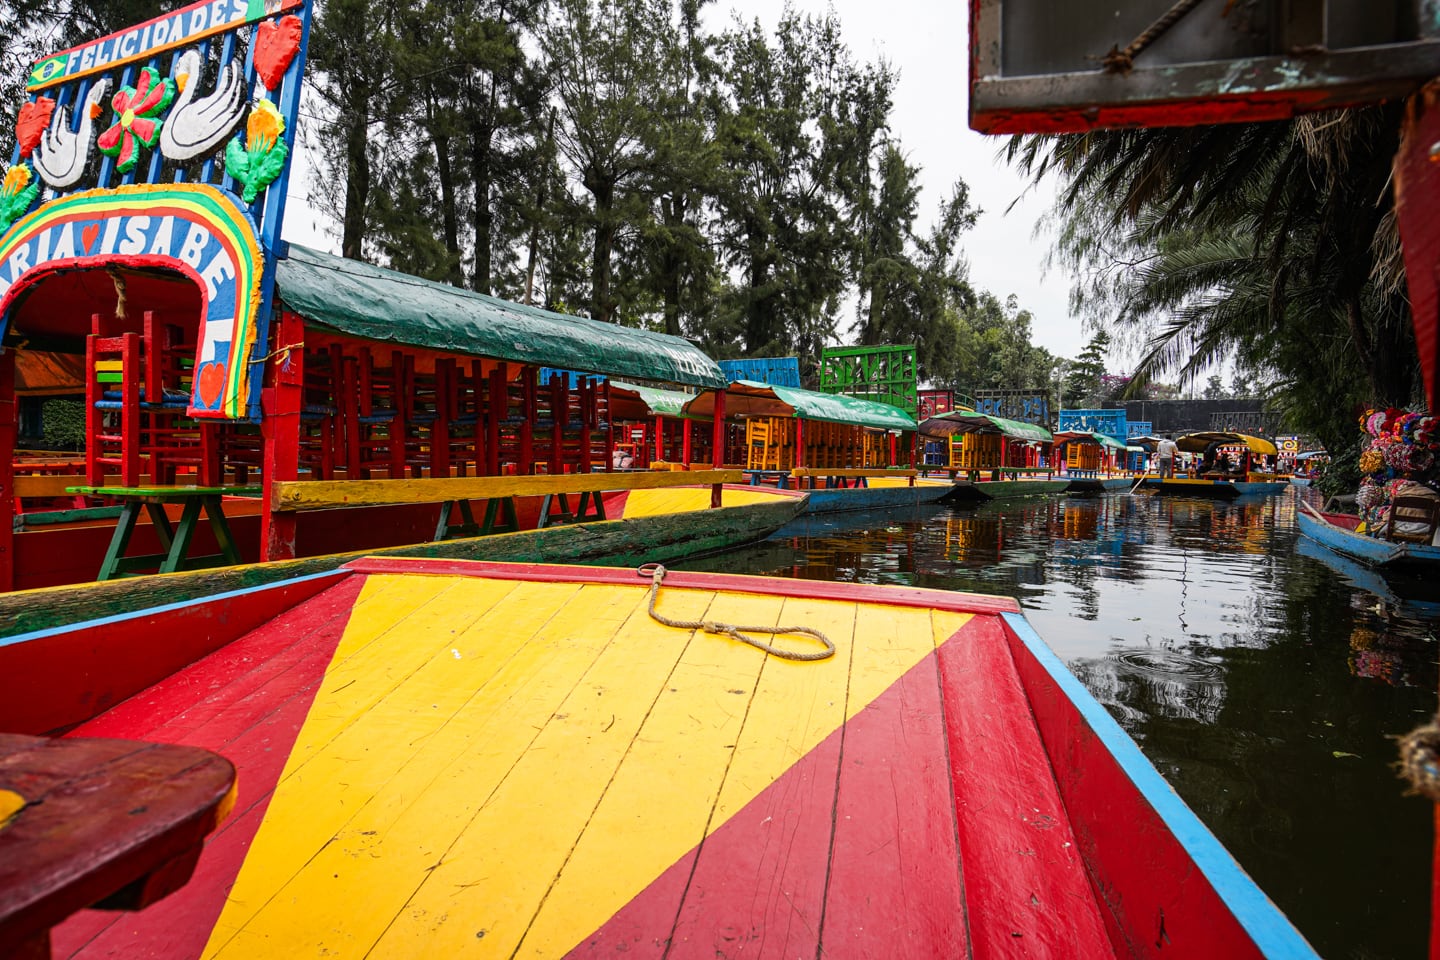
195 229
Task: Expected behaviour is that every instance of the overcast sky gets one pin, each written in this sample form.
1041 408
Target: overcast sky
925 40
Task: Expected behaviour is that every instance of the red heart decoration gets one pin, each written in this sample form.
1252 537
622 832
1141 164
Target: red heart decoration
276 42
31 123
88 235
212 382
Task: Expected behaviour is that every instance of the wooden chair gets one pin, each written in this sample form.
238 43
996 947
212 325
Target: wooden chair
1413 512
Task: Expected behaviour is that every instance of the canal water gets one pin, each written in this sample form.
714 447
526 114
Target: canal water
1265 677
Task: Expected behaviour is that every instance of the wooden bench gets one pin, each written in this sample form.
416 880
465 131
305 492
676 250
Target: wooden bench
805 477
498 493
112 824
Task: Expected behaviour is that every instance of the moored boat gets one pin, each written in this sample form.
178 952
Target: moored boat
1208 478
1337 532
448 758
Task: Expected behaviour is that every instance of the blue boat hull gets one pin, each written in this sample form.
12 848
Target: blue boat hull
1376 553
872 498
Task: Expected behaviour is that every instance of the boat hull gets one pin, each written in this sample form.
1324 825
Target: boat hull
657 537
1098 484
1372 551
429 751
1005 489
844 500
1215 489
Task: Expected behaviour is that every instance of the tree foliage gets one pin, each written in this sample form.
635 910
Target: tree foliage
738 185
1271 244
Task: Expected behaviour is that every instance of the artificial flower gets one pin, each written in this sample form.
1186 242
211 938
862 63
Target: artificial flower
136 109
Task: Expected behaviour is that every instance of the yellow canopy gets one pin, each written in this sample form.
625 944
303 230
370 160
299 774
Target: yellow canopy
1197 442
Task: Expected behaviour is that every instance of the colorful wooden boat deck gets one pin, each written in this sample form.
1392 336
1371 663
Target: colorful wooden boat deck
447 759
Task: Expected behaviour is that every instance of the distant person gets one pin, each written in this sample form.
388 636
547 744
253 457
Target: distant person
1167 451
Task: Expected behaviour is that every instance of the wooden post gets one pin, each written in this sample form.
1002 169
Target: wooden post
799 443
685 442
609 432
719 432
659 438
528 380
280 426
9 419
497 408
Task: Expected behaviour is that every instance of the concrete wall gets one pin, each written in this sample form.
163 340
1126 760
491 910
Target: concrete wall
1186 416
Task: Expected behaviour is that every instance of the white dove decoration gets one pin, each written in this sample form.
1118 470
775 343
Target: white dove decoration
197 125
62 155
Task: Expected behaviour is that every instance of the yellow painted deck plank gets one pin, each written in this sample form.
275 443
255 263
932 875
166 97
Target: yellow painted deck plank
315 802
373 658
796 704
496 875
662 799
652 503
889 641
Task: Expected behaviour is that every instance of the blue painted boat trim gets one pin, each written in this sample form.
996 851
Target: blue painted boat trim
1377 552
1271 930
165 608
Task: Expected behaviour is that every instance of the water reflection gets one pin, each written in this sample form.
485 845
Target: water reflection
1264 676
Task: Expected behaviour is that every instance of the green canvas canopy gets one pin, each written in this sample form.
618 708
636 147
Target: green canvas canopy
746 398
361 300
1086 436
633 401
968 421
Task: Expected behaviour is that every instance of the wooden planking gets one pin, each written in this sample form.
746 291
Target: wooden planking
652 503
852 472
765 899
254 702
661 801
357 736
894 811
945 600
421 789
112 659
500 869
327 494
1024 879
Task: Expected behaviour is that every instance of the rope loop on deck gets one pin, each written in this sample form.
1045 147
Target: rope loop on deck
656 571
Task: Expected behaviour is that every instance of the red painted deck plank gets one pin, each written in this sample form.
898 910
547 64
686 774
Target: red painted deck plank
1026 889
895 819
126 656
248 702
195 695
758 881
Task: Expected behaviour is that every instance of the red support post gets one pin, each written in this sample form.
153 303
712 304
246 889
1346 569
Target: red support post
9 420
659 438
685 442
799 442
281 403
528 405
719 451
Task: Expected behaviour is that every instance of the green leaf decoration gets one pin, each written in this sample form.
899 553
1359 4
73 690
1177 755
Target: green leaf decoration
256 168
19 190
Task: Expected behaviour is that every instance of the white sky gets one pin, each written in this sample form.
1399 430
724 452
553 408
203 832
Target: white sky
926 41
